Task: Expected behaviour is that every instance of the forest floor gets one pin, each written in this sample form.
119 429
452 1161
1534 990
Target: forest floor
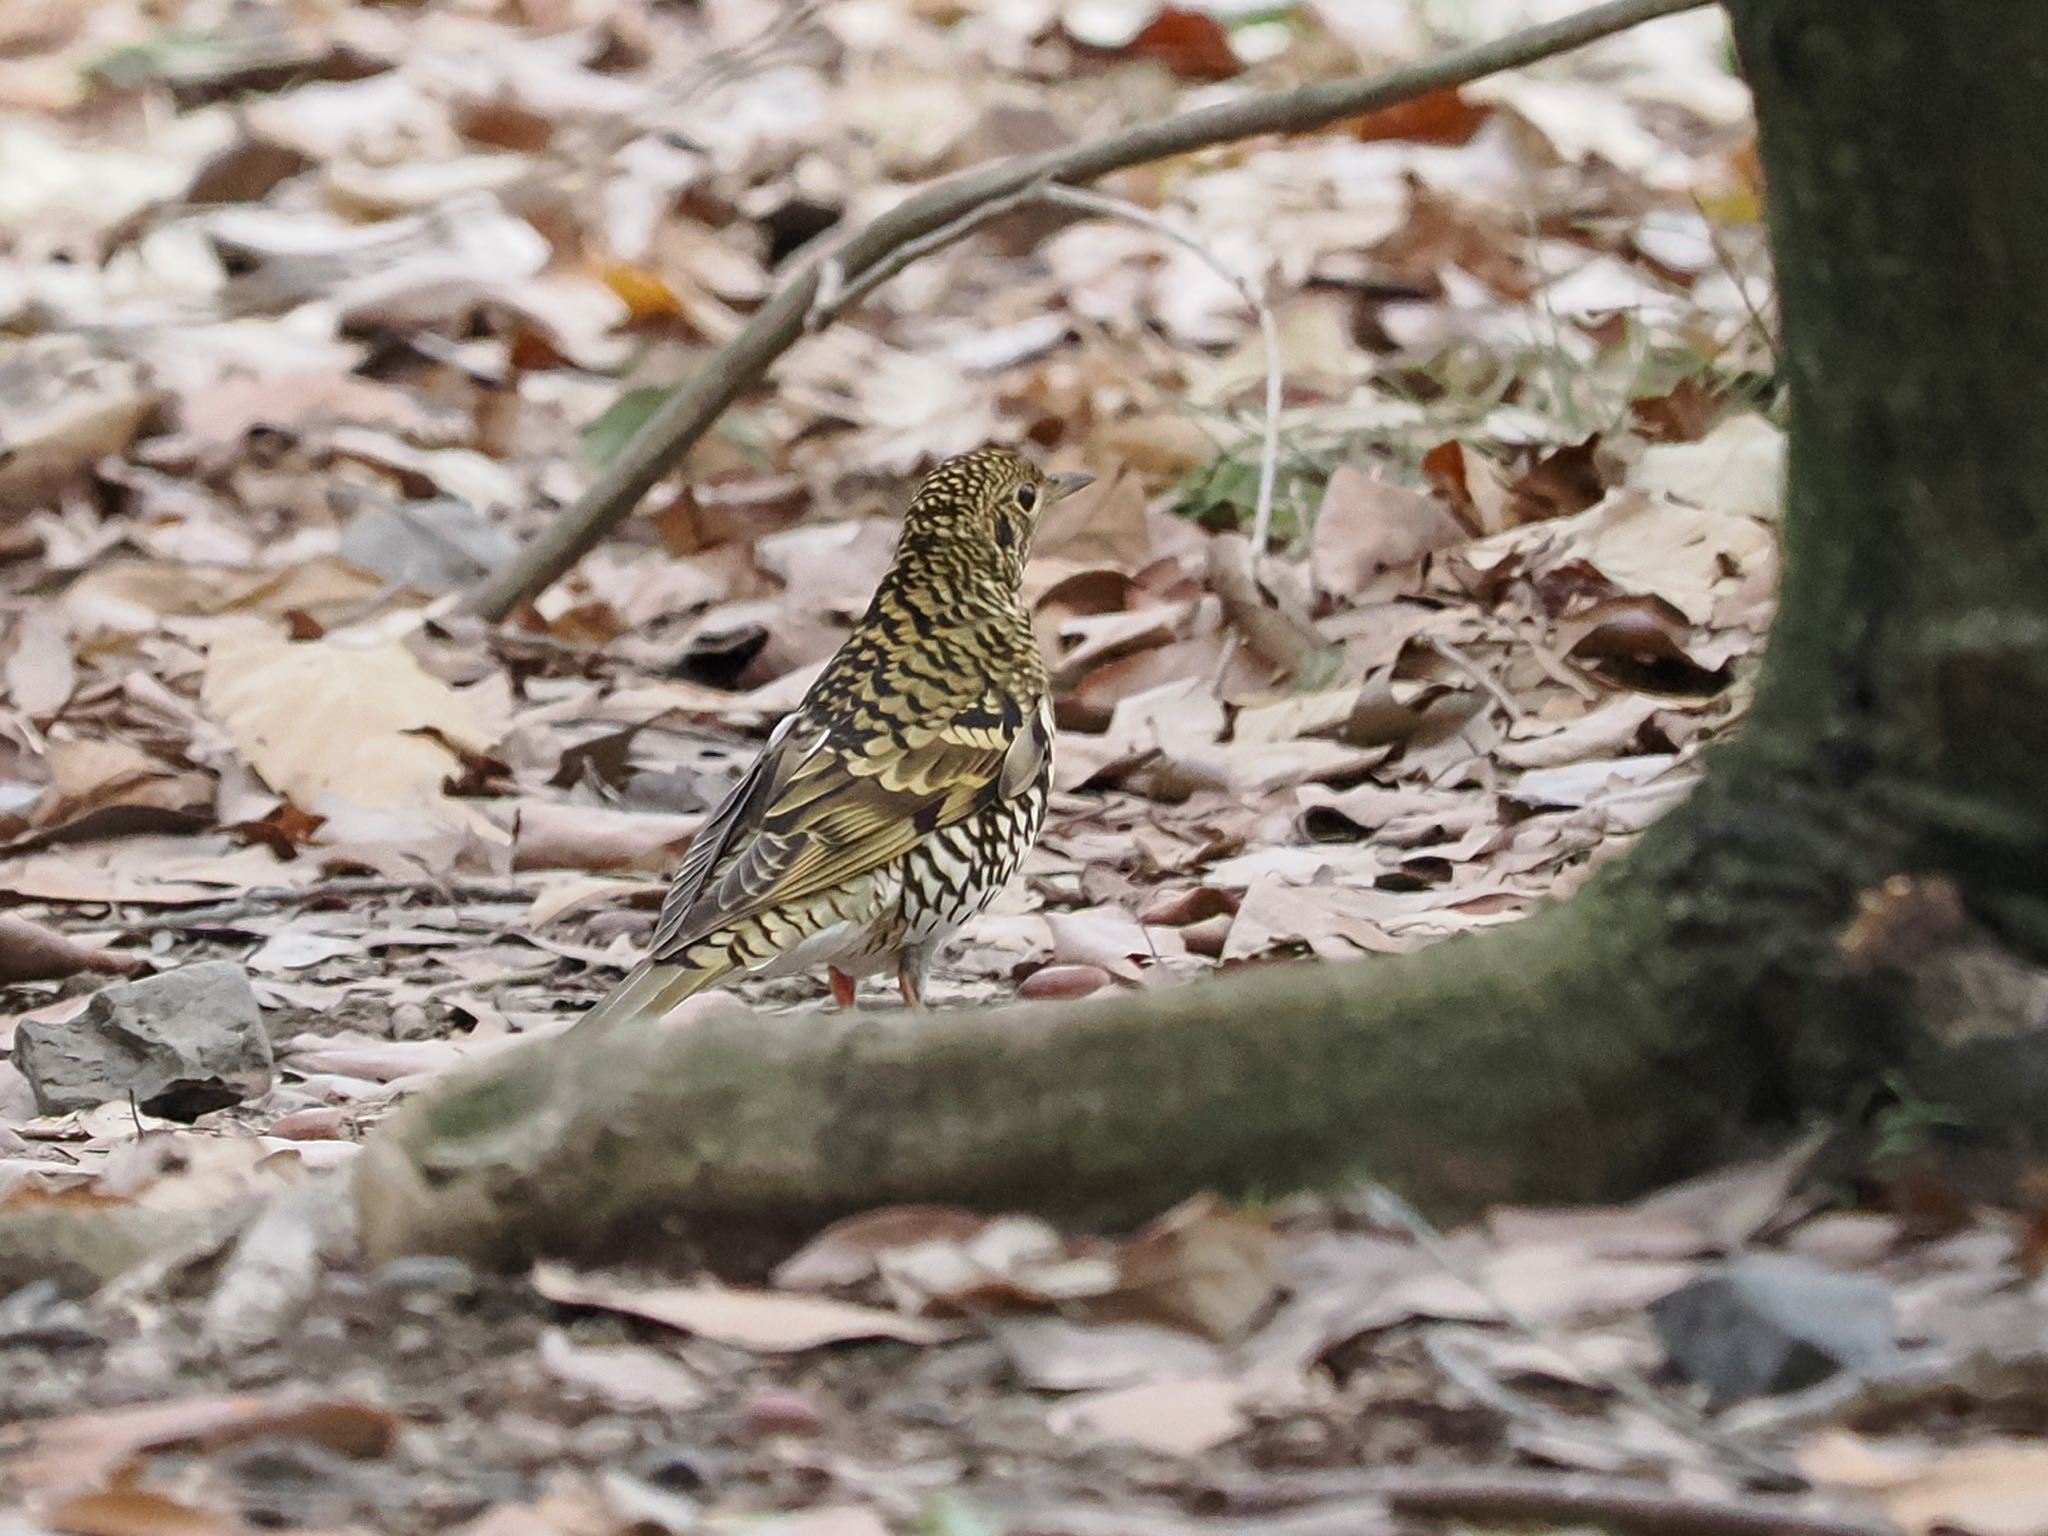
308 317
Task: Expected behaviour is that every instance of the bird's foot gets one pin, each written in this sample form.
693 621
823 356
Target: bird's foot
842 986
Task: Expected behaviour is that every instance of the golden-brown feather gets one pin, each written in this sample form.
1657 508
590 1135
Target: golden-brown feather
907 784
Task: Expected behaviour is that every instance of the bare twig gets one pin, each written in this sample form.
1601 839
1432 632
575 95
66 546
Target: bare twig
1616 1505
1490 1498
274 898
1471 668
1269 333
835 296
688 413
1923 1376
1383 1205
1448 1352
1756 316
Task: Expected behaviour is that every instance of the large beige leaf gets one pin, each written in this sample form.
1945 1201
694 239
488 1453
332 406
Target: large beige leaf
321 720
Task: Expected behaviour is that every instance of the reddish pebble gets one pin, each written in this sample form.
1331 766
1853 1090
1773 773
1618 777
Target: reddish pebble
778 1411
1065 981
322 1123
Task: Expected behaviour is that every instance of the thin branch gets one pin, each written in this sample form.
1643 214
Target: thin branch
1756 316
660 445
1383 1205
1472 669
1314 1502
836 295
1269 333
274 898
1611 1504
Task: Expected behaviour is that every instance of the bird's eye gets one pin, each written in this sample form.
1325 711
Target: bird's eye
1027 496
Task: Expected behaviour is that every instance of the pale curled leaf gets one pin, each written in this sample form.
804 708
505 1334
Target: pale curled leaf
324 721
764 1321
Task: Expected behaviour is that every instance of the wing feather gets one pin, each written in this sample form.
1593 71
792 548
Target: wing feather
813 814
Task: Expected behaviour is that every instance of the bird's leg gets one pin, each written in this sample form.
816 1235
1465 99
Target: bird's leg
842 986
912 987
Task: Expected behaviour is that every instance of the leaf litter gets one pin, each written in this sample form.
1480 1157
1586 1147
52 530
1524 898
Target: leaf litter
362 295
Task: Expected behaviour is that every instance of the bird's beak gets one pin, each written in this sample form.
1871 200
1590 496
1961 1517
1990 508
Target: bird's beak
1066 482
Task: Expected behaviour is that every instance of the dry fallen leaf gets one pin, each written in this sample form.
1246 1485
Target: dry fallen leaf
76 1452
1201 1266
1366 525
1172 1418
767 1322
323 721
1992 1488
623 1375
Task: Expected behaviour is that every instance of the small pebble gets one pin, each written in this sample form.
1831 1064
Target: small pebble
779 1411
1065 981
325 1123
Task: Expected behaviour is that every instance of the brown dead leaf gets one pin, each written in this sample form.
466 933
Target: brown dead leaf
1333 923
1172 1418
40 673
1276 629
1189 42
1202 1266
1441 116
1683 415
766 1322
1991 1488
1093 700
126 1510
1613 729
63 405
134 596
283 703
1058 1354
1737 469
1101 526
1559 483
1366 525
1641 641
550 835
1474 487
1174 717
627 1376
1106 937
81 1450
92 777
284 830
846 1253
828 569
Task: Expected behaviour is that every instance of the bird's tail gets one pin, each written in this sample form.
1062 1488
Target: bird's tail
649 992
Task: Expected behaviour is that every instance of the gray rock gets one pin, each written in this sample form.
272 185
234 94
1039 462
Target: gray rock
1769 1323
182 1043
434 546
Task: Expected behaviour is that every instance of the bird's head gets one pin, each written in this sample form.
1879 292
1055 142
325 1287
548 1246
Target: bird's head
984 507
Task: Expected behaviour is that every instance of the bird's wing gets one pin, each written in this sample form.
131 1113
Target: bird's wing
823 805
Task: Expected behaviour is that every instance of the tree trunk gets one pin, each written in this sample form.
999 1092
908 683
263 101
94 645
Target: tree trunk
1694 993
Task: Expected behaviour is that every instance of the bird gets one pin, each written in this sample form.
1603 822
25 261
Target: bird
907 785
